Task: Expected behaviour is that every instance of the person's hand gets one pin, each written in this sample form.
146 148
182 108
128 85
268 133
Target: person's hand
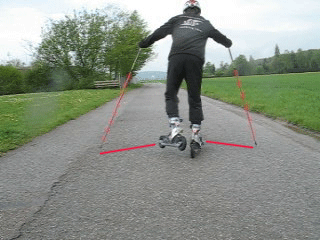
229 43
143 44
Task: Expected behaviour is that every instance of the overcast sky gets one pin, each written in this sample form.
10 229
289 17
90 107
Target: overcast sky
254 26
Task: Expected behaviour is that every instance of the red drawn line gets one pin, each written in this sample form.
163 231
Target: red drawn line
128 149
229 144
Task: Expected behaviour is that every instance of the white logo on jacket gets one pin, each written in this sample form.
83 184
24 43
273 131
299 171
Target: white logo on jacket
191 22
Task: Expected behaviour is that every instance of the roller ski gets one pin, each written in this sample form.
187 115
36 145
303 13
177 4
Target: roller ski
196 141
174 138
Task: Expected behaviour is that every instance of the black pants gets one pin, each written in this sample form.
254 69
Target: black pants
188 67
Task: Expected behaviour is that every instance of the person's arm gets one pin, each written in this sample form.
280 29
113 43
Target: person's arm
158 34
220 38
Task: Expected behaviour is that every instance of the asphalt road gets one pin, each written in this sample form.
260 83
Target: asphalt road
60 187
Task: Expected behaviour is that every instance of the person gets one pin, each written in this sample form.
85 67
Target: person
190 32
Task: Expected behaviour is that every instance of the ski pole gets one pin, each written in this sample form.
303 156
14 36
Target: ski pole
245 104
122 92
230 55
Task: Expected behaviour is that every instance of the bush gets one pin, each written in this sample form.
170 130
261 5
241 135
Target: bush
11 80
61 80
87 82
219 73
43 78
38 78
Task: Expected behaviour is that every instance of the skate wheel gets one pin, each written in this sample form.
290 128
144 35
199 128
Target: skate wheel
162 139
183 143
192 153
195 148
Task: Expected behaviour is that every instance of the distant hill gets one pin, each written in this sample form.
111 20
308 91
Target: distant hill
151 75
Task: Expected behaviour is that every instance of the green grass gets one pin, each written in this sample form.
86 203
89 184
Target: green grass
294 98
25 116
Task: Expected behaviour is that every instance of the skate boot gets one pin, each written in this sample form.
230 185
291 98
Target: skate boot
196 140
174 138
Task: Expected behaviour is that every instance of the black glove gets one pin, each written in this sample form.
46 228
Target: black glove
228 43
143 44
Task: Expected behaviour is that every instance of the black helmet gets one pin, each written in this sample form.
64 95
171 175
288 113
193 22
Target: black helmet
192 4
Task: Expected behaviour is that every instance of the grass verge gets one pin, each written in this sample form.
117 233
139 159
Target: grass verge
26 116
294 98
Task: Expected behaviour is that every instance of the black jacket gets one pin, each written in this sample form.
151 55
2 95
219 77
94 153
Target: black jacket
189 33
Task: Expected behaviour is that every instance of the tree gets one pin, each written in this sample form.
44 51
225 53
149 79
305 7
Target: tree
126 36
266 66
315 60
277 65
288 64
252 66
89 45
301 59
260 70
293 59
15 63
242 65
277 51
209 69
223 70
